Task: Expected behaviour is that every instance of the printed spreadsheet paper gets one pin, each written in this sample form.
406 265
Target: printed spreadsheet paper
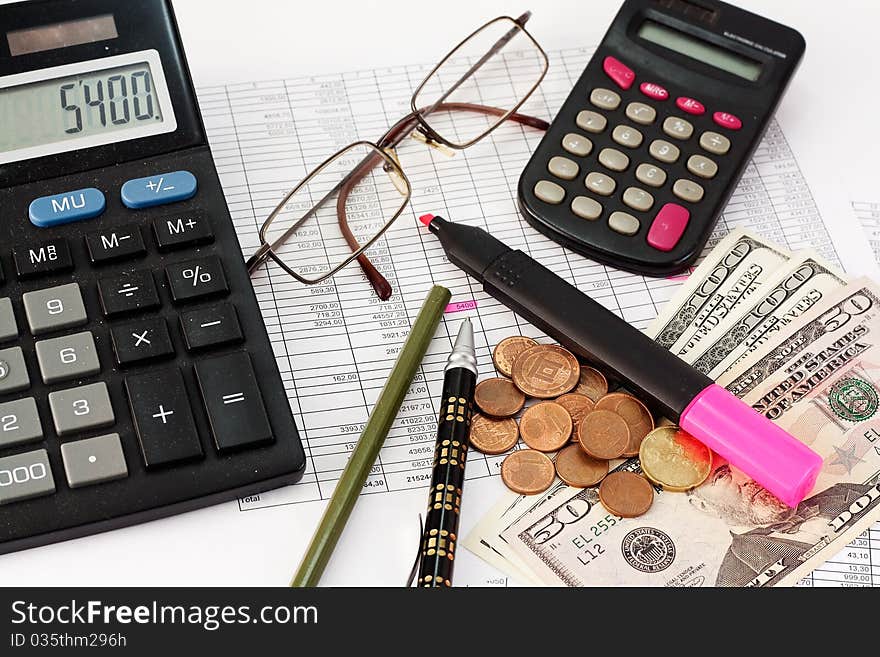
336 342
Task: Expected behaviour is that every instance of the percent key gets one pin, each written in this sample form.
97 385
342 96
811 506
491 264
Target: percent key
196 279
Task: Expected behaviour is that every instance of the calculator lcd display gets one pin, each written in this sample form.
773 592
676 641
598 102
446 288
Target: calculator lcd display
702 51
83 105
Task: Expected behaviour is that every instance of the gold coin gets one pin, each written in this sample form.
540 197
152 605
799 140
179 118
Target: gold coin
527 472
674 459
626 494
636 415
603 435
493 436
546 371
545 427
507 350
592 383
577 469
499 397
577 406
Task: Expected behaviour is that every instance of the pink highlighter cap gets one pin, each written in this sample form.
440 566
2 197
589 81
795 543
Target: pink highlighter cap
768 454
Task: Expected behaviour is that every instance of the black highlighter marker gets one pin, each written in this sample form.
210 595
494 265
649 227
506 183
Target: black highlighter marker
771 456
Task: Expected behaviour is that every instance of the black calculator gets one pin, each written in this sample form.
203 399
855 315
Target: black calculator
137 379
639 163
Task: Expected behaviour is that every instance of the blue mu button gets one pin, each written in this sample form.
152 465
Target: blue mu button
48 211
159 189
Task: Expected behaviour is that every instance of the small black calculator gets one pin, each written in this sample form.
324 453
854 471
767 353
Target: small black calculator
137 379
640 161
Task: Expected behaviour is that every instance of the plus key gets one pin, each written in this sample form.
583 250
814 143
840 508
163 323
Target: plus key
163 419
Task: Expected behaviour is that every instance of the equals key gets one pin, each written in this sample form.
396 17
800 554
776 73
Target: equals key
211 326
233 401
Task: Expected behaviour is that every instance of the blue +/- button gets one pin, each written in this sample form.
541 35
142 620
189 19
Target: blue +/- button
159 189
48 211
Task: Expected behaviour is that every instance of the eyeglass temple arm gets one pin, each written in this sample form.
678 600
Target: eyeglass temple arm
503 41
392 138
377 280
398 132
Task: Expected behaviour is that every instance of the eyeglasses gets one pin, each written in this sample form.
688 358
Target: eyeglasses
348 202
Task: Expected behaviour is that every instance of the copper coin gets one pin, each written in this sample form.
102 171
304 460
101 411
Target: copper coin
527 472
626 494
546 371
592 383
493 436
603 435
499 397
507 350
577 406
637 417
545 427
577 469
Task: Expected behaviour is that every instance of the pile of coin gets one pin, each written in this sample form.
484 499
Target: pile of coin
586 427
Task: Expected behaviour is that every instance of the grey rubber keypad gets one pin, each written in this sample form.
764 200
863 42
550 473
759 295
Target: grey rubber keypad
94 460
54 308
19 422
68 357
81 408
23 476
13 371
8 325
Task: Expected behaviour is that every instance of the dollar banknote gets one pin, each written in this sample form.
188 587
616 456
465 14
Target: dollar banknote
800 286
838 322
731 273
485 540
727 532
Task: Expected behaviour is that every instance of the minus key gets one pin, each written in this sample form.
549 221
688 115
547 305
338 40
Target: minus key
211 326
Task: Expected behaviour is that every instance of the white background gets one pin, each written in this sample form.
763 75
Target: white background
832 103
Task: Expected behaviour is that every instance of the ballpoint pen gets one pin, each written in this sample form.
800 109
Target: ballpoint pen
771 456
437 552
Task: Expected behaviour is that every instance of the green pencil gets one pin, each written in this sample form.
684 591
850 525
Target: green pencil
373 437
